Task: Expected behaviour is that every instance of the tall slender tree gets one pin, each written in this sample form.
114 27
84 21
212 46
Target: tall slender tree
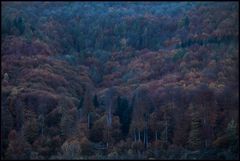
88 107
195 136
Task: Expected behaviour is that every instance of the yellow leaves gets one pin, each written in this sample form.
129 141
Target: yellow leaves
123 42
6 77
212 85
113 155
221 86
71 147
216 85
16 90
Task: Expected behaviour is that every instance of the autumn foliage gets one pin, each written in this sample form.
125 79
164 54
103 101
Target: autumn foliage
120 80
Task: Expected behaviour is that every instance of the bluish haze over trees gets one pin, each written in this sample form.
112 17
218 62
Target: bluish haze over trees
120 80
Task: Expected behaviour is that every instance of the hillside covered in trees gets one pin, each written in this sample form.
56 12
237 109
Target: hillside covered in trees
120 80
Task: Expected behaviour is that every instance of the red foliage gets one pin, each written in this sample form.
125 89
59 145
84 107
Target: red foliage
19 46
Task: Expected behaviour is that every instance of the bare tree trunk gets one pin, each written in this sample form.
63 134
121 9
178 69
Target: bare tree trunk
135 137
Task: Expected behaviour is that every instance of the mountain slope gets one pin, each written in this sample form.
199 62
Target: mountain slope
120 80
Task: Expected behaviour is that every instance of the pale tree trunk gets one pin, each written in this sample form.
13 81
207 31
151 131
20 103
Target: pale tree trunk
145 138
135 137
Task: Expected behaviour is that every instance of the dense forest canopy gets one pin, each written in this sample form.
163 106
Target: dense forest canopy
120 80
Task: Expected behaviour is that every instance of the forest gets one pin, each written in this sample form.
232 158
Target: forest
119 80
